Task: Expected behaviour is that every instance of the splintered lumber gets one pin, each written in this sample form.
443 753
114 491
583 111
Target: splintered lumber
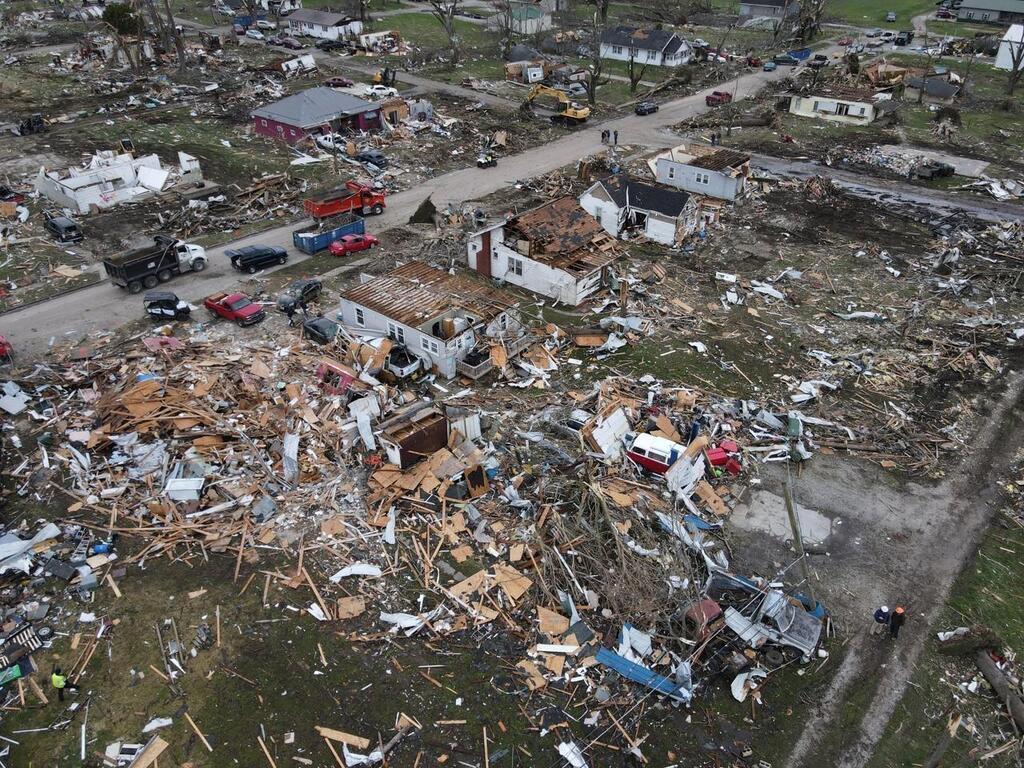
198 732
149 754
37 691
266 752
356 742
1001 686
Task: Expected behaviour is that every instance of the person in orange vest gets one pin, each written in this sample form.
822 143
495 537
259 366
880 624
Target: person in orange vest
60 682
897 620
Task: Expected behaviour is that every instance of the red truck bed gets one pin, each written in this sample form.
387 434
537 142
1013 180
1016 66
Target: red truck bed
352 197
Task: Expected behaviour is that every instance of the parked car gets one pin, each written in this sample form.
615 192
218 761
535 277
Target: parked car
255 34
934 169
65 230
238 29
844 41
253 258
718 97
770 66
904 38
888 35
875 32
164 305
275 39
890 17
330 45
351 244
374 156
338 82
858 48
878 43
579 90
401 362
700 42
378 91
754 62
264 24
819 61
321 330
645 108
785 60
299 293
944 13
236 307
291 44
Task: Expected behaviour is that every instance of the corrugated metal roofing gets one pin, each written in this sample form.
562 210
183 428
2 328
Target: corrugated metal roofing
416 293
723 158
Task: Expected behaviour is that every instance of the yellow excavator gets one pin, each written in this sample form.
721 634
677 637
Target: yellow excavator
569 112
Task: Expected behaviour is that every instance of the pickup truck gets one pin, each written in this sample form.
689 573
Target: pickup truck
818 62
718 97
353 197
236 307
155 263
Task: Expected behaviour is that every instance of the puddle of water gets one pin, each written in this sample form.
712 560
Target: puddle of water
766 512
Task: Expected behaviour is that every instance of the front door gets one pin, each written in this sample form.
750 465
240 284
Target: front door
483 258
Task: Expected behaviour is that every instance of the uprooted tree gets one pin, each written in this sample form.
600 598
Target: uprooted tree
445 12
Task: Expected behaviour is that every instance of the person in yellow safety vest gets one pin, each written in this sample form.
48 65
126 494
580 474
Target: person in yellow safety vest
60 682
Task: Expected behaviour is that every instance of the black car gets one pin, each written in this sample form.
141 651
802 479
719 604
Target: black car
63 229
299 293
645 108
329 45
785 60
253 258
164 305
373 156
321 330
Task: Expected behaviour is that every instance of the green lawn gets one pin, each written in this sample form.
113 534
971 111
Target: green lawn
872 12
958 29
424 31
483 68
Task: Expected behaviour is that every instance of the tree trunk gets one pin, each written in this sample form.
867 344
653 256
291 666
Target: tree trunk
179 44
1001 686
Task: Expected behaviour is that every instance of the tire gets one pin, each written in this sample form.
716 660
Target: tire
251 270
150 281
164 275
199 265
282 260
378 209
240 323
134 286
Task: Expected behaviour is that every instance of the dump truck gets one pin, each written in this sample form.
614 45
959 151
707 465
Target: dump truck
319 236
354 197
157 263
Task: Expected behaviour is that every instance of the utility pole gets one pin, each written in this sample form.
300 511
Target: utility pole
798 540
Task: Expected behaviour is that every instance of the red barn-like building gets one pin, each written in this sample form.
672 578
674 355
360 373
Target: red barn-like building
315 111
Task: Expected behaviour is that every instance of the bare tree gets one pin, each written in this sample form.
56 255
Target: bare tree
505 21
1016 63
810 18
602 9
635 76
179 42
596 62
445 11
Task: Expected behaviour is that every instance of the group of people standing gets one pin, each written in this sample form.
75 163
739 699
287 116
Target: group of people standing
891 620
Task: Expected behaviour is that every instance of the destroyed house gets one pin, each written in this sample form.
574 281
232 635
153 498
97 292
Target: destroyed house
325 25
855 106
776 9
439 317
656 47
315 111
557 250
661 214
414 434
936 90
718 173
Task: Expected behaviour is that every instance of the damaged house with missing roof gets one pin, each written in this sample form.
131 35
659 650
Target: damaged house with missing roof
112 178
557 250
448 321
621 205
701 170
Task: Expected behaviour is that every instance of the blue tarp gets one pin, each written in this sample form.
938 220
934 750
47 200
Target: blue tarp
641 674
800 54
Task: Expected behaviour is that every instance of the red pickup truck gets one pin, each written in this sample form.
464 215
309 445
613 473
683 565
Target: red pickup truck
353 197
234 306
718 97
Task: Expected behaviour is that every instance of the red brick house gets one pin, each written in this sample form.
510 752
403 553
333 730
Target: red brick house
315 111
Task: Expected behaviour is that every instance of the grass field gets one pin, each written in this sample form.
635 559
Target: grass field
872 12
424 31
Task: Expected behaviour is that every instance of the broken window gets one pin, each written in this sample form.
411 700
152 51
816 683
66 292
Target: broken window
396 332
842 109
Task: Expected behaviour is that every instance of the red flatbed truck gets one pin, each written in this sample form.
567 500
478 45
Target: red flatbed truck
353 197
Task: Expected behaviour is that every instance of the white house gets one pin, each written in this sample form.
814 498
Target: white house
111 179
325 25
846 105
710 171
556 250
655 47
280 7
663 215
1010 48
439 317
